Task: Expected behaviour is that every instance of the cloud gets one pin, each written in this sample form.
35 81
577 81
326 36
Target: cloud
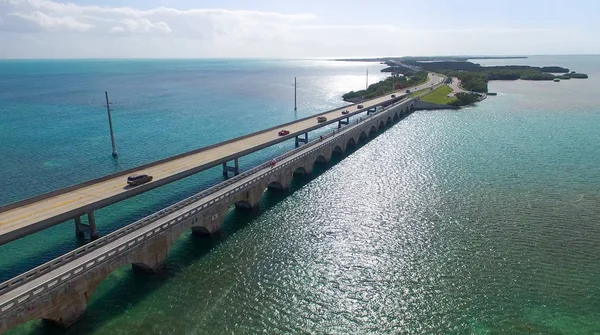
117 30
53 23
45 28
142 25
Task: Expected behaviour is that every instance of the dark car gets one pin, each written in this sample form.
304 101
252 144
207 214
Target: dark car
321 119
283 132
345 112
359 106
138 179
393 95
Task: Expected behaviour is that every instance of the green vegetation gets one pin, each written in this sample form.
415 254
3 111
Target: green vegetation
439 96
574 75
465 98
532 75
471 81
419 92
386 86
475 77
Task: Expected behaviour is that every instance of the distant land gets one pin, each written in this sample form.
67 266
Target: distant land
427 58
473 77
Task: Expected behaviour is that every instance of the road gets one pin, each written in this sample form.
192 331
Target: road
455 86
44 211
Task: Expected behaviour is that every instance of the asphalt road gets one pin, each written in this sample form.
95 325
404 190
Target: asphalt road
43 213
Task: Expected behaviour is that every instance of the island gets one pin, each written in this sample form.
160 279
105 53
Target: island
470 82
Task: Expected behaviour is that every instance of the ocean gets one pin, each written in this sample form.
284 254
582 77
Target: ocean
483 220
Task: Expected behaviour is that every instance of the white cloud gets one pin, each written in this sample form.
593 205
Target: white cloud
117 30
101 31
142 25
53 23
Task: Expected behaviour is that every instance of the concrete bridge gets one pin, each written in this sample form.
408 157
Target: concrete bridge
34 214
59 290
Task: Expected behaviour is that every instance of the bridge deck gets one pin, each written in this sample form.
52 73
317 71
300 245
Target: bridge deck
35 283
31 215
95 253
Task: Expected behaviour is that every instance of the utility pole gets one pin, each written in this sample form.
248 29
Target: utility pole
112 134
367 84
295 108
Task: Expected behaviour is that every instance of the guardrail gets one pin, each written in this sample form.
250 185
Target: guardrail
42 269
77 253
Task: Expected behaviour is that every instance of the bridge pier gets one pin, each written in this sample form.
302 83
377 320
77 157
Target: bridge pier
342 122
90 227
67 315
235 168
301 140
201 231
78 227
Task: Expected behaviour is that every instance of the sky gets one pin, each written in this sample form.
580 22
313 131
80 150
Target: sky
295 29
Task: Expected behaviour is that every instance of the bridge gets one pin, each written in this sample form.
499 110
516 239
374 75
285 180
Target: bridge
59 290
34 214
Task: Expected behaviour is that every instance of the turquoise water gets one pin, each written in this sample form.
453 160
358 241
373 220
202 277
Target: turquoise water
54 128
478 221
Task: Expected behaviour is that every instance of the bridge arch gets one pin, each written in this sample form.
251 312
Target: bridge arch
300 171
149 256
275 185
338 150
363 136
381 125
372 131
388 121
243 204
395 116
320 160
351 143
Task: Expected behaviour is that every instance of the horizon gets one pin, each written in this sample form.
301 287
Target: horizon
343 58
161 29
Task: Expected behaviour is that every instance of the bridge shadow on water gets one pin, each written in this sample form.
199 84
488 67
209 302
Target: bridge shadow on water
126 287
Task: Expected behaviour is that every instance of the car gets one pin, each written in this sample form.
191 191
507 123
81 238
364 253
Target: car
138 179
393 95
407 91
283 132
359 106
345 112
321 119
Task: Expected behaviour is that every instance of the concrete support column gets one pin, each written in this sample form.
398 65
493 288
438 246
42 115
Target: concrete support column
92 226
301 140
79 227
235 168
342 122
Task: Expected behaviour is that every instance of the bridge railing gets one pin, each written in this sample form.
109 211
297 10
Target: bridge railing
133 242
89 247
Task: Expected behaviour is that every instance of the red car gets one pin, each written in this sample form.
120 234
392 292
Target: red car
283 132
359 106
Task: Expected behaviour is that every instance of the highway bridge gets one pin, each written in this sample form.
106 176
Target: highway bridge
34 214
59 290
